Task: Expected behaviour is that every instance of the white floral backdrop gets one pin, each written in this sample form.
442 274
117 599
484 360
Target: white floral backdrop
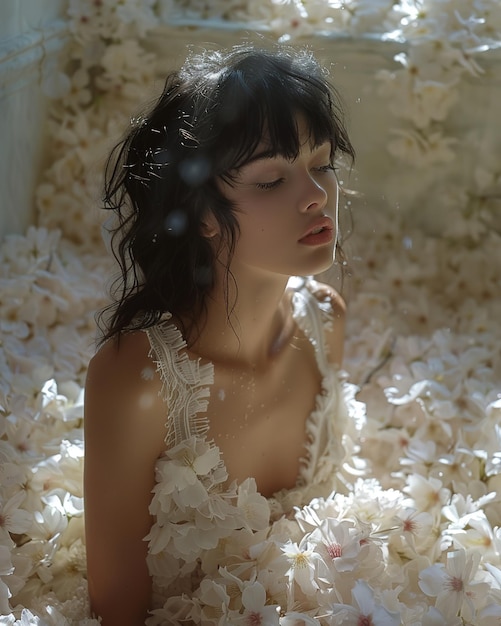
418 538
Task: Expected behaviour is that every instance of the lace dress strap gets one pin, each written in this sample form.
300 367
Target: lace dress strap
314 317
185 383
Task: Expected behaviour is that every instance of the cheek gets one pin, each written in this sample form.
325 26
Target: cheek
252 232
258 215
261 233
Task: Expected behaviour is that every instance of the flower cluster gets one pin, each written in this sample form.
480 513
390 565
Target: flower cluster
417 544
105 75
425 88
48 294
371 555
293 18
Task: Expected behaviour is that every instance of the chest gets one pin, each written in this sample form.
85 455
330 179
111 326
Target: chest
258 418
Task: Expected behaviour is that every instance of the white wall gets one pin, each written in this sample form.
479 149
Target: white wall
32 33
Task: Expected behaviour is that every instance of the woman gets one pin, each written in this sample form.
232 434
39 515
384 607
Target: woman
215 386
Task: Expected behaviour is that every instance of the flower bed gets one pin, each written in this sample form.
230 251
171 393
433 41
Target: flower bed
417 540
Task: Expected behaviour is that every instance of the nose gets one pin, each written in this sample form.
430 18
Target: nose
314 195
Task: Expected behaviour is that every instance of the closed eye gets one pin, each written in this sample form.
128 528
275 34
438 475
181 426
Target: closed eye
271 185
325 168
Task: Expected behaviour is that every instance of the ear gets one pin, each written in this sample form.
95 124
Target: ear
209 227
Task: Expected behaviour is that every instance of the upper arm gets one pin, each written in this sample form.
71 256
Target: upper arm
332 301
124 431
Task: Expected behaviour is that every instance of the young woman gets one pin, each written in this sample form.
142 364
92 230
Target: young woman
216 385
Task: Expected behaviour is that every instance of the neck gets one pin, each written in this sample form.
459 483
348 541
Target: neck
249 326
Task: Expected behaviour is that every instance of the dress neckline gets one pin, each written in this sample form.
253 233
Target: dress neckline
196 375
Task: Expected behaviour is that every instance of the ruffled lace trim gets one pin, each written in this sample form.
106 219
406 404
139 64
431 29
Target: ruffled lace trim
312 318
185 383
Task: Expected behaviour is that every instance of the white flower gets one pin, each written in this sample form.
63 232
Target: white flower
477 534
27 618
490 615
23 254
415 526
460 466
370 16
302 569
214 601
68 569
256 610
241 545
49 523
427 493
14 519
127 69
91 21
433 102
182 475
461 509
6 569
79 93
175 610
365 609
454 585
139 14
293 618
338 542
434 617
421 452
422 150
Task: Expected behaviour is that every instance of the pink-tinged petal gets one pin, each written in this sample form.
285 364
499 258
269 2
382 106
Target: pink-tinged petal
449 603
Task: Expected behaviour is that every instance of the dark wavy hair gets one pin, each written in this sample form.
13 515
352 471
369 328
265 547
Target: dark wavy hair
161 179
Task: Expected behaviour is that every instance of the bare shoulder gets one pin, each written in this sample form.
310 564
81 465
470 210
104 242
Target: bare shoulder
332 302
122 387
118 362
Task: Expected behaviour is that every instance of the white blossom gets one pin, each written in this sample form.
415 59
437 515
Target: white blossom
454 585
365 609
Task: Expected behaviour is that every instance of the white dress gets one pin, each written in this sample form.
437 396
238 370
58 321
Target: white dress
195 513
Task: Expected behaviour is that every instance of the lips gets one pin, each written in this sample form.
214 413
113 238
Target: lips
321 226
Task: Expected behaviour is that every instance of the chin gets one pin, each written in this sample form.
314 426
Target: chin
319 265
